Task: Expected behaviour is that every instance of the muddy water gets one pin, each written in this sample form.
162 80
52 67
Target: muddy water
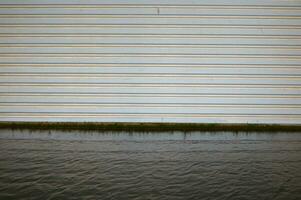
76 165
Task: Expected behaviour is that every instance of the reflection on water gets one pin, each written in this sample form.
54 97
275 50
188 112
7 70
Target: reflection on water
125 136
76 165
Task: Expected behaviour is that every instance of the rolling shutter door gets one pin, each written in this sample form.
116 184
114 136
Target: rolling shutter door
209 61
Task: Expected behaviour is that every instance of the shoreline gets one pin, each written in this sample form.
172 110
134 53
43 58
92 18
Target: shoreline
149 127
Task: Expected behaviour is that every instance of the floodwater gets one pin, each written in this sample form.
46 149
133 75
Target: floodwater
77 165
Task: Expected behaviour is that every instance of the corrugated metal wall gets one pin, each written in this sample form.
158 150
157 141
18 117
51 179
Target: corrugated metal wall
235 61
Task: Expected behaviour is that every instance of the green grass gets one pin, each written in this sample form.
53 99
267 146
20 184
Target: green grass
149 127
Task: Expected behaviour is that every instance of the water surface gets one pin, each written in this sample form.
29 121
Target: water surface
77 165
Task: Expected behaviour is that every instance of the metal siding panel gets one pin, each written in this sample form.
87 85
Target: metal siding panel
149 99
152 69
159 29
153 49
180 89
157 2
214 61
136 39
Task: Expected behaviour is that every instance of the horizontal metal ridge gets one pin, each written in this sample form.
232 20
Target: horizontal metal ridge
188 115
152 105
242 26
140 106
98 55
130 105
159 85
149 75
84 74
166 94
146 75
99 16
148 45
147 35
281 85
105 45
137 5
128 4
39 94
145 65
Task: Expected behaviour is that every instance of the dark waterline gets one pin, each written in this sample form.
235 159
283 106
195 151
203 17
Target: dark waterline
77 165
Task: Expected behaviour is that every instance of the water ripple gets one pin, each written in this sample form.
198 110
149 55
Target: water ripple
208 168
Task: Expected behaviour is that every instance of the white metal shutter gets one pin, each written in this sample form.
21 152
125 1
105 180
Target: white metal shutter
235 61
